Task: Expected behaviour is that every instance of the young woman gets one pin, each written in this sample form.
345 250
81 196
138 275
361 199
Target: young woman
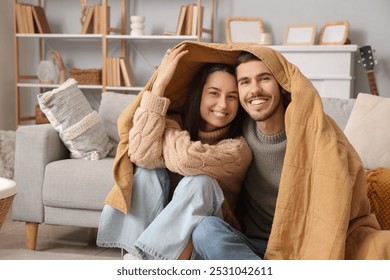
206 141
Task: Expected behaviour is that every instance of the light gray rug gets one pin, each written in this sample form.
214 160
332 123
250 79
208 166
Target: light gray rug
24 254
7 153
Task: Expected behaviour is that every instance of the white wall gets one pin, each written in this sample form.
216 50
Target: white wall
369 26
7 77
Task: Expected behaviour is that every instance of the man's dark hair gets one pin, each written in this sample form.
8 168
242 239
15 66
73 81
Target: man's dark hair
192 118
245 57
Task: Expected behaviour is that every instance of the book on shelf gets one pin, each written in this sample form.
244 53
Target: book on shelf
109 71
87 26
188 23
126 71
94 20
119 72
22 19
197 19
191 19
30 25
40 19
19 19
180 29
31 19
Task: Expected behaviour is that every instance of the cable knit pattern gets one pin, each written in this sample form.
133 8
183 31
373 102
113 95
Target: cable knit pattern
145 138
156 141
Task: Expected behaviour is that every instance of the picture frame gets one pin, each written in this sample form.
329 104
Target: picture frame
300 34
243 29
334 33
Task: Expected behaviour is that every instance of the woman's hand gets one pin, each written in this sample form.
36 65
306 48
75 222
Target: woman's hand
167 69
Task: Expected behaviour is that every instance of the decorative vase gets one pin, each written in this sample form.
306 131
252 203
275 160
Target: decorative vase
137 25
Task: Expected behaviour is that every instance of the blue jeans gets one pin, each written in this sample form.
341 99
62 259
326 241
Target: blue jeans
195 197
214 239
154 228
149 197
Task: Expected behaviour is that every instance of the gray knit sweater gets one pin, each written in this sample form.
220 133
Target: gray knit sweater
262 180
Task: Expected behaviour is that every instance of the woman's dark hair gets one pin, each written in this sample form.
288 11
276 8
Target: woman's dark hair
192 118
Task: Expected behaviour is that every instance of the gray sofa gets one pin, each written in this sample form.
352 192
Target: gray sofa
54 189
57 190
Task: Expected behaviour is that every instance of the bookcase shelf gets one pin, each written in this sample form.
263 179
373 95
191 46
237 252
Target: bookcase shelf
111 41
98 87
109 37
153 37
59 36
52 86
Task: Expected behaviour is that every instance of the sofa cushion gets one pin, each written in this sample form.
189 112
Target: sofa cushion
367 130
78 183
111 106
78 124
338 109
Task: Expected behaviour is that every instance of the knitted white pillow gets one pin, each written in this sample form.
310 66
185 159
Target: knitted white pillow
79 126
367 130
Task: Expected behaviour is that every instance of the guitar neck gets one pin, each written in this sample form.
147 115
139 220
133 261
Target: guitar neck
372 82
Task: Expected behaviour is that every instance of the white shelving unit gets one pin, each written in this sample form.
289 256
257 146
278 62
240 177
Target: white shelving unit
29 82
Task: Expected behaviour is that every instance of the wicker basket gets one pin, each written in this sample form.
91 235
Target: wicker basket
7 194
5 206
86 76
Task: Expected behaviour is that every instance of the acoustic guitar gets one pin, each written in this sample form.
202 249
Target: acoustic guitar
368 62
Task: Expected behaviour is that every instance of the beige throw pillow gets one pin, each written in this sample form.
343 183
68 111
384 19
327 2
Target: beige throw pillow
368 130
79 126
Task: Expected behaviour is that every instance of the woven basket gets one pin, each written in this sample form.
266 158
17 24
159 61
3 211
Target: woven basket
5 205
86 76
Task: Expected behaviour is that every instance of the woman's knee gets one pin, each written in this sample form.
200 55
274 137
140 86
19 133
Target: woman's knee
206 228
199 183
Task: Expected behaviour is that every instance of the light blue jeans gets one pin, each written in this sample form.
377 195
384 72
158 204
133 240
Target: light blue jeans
214 239
149 197
155 229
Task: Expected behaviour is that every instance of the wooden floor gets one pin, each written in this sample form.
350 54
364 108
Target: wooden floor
54 242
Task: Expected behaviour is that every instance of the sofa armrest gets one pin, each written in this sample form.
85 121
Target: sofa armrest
36 146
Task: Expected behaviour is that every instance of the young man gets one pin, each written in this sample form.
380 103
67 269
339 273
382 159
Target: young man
304 194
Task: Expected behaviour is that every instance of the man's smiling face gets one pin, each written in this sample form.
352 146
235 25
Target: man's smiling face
258 90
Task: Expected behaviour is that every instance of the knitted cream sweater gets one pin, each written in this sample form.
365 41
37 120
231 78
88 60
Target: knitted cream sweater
156 141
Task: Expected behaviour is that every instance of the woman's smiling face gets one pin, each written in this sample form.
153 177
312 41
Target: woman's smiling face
219 102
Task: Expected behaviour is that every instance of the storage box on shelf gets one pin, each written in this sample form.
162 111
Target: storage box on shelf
106 39
86 76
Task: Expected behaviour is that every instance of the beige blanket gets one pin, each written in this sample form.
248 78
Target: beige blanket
322 209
